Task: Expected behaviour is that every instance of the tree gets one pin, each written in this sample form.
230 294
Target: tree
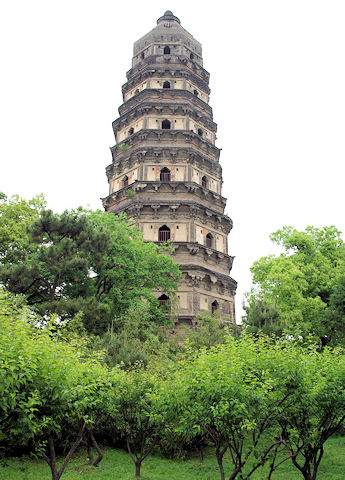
208 330
298 287
133 269
54 272
131 413
90 262
48 392
229 394
319 411
16 215
262 317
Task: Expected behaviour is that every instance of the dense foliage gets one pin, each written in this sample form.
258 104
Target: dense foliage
256 399
81 261
47 389
85 353
303 286
16 215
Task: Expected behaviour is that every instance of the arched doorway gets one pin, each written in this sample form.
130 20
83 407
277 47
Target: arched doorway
164 303
166 125
165 175
214 306
163 233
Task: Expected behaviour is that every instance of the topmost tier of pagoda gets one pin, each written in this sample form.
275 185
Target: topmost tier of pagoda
185 55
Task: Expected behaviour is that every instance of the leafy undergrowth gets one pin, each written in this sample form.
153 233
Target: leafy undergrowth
117 465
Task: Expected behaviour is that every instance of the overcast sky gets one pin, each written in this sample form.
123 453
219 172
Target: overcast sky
277 91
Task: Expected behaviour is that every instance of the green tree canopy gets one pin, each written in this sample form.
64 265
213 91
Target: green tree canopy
16 215
83 261
259 400
302 286
131 414
48 390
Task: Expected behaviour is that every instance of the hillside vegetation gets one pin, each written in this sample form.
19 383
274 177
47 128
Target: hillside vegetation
89 359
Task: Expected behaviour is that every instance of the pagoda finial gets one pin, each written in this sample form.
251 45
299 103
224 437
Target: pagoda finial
168 17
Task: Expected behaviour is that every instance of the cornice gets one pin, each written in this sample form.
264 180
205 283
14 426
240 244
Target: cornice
172 137
175 208
198 274
174 188
158 155
197 249
171 65
165 93
167 108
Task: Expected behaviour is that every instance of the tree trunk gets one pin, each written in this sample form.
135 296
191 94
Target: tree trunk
305 470
98 450
89 452
220 465
235 473
137 468
90 439
52 458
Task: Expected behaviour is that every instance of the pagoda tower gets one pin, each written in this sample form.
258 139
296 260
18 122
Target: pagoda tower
165 172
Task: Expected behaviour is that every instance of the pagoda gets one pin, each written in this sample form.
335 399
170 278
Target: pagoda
165 172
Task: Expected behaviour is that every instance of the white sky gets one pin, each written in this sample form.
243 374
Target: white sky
278 95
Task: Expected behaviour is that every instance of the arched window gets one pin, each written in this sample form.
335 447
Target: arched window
200 132
166 84
166 125
214 306
166 50
204 182
164 234
165 175
137 91
196 93
164 302
143 55
131 131
191 56
209 240
125 181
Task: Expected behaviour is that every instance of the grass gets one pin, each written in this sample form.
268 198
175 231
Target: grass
117 465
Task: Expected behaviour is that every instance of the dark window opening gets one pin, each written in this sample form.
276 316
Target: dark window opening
164 302
143 55
164 234
166 125
131 131
204 182
125 181
209 240
200 132
137 90
166 84
196 93
214 306
165 175
166 50
191 56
